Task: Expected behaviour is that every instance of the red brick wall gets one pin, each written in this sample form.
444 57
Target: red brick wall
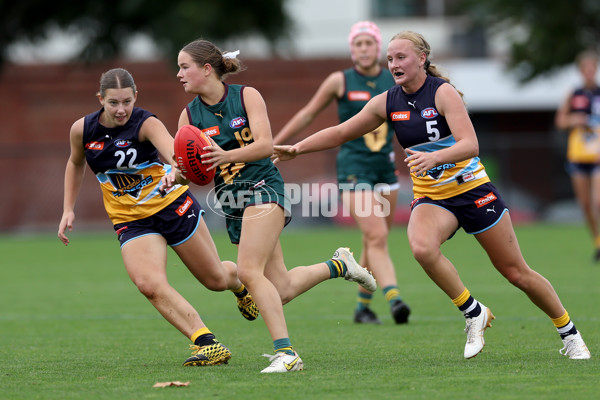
39 103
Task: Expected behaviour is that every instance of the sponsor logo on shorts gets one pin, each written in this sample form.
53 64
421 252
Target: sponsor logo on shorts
400 116
185 206
359 95
121 230
429 113
94 145
488 198
212 131
237 122
415 201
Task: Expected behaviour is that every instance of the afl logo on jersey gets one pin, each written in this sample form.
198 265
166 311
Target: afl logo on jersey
122 143
429 113
237 122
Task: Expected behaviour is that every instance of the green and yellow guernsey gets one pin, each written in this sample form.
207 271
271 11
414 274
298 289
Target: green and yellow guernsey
373 148
226 122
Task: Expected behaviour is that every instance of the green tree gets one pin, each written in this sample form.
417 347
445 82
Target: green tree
105 25
545 35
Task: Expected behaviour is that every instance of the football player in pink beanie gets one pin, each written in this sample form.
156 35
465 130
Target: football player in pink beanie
366 171
365 27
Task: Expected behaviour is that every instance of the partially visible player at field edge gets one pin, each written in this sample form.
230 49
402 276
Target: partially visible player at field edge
451 187
579 114
367 161
236 118
121 144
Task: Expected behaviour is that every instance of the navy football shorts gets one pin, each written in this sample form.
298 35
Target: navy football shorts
177 222
582 168
476 210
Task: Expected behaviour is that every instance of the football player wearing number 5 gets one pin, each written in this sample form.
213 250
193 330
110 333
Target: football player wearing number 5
251 191
579 114
366 169
451 188
121 144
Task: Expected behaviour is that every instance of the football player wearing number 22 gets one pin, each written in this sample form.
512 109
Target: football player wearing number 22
121 144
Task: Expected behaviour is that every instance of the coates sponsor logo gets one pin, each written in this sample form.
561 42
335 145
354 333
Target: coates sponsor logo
429 113
400 115
123 143
237 122
94 145
488 198
184 207
359 95
212 131
579 102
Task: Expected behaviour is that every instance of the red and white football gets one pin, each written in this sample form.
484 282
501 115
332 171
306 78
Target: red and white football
189 144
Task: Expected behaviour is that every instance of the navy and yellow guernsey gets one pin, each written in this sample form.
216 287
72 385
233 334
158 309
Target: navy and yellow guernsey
584 144
373 147
226 122
420 127
129 171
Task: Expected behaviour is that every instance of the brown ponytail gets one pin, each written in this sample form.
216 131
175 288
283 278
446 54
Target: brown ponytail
205 52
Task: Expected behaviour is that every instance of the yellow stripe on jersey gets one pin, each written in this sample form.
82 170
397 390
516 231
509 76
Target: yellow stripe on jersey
450 181
133 195
583 146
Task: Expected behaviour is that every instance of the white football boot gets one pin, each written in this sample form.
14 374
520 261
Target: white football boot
283 362
474 329
355 272
575 348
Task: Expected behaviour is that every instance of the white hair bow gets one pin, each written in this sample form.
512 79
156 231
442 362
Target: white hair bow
231 54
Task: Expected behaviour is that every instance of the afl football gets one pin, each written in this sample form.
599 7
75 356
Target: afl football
189 144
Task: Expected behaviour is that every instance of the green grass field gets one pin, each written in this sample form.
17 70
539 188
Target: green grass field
73 326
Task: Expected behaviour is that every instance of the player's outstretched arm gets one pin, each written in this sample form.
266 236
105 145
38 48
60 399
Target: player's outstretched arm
74 173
